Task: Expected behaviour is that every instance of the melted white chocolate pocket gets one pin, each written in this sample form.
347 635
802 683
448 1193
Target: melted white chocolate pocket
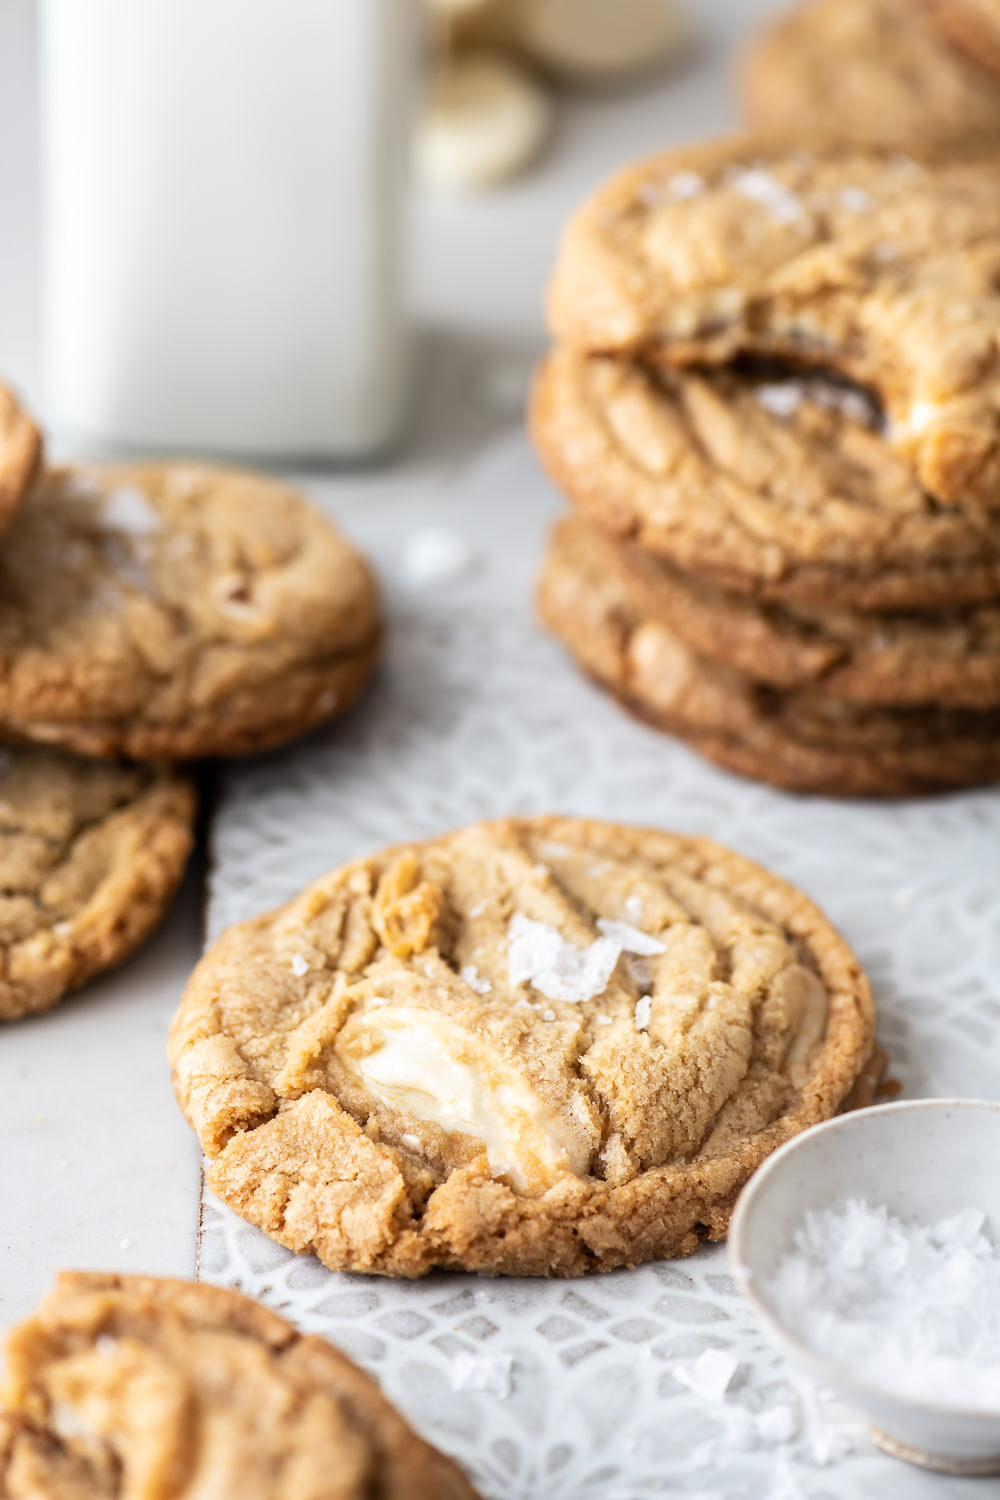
425 1065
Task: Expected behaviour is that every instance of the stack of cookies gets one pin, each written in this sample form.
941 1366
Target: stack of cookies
148 615
775 408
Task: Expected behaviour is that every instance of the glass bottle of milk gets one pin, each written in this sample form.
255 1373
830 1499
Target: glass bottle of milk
223 211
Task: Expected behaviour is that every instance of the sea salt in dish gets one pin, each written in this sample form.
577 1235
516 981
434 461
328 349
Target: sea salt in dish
860 1243
917 1307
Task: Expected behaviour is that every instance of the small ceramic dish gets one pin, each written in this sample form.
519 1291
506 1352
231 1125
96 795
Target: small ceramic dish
924 1160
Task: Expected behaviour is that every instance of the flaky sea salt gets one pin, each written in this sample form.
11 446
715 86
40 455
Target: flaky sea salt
782 399
710 1375
298 965
916 1307
630 939
764 189
855 200
128 509
538 954
475 980
492 1374
643 1011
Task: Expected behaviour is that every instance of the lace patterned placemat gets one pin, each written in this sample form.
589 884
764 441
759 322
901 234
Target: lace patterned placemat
583 1389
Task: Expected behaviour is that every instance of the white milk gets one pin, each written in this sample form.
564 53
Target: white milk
223 204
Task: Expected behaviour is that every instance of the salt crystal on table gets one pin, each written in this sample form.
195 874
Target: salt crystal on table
710 1376
436 555
493 1374
917 1307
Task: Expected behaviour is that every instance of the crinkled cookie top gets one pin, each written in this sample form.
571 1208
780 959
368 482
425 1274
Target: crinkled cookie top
177 610
869 263
542 1044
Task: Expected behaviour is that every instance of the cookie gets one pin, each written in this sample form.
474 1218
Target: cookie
872 265
90 856
803 740
973 26
872 71
539 1046
20 455
891 659
168 612
777 485
121 1386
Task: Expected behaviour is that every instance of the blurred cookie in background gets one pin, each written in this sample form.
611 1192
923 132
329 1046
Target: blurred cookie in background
880 71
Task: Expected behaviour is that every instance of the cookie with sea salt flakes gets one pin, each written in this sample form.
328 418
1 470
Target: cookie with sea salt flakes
539 1046
20 455
176 611
801 739
869 264
126 1386
871 70
761 480
90 856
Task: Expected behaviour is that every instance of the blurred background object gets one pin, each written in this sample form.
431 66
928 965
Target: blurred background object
224 249
490 108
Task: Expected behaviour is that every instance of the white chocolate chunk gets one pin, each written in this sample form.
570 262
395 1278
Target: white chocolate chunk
425 1065
485 119
597 39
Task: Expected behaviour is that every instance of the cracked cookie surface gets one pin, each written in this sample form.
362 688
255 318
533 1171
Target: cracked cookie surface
539 1046
121 1386
879 267
770 483
90 856
801 739
177 611
871 71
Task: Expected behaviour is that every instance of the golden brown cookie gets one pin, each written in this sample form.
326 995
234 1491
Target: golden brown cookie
870 71
175 611
766 482
973 26
127 1386
949 659
90 856
870 264
803 740
20 455
540 1046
